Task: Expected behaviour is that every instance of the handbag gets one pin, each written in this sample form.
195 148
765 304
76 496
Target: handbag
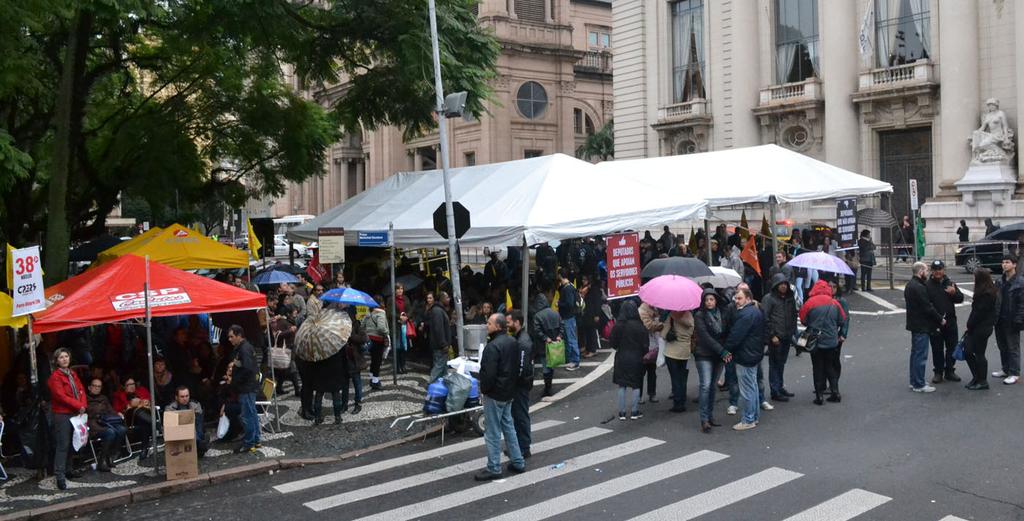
807 340
112 420
961 347
410 330
654 347
280 357
555 354
222 427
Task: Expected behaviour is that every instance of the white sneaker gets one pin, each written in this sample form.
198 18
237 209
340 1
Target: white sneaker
1010 380
998 374
743 426
925 389
766 405
732 410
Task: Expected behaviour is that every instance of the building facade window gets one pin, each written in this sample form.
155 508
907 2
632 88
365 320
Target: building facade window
902 31
577 121
530 10
470 158
531 100
687 50
797 47
599 38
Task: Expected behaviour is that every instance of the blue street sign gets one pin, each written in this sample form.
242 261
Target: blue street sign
377 239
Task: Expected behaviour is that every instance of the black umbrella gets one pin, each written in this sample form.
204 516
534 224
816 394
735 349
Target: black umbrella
874 217
87 252
682 266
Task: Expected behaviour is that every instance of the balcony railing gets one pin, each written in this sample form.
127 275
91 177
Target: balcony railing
807 90
595 61
921 71
681 111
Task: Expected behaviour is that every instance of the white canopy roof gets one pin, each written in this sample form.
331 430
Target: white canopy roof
747 175
545 198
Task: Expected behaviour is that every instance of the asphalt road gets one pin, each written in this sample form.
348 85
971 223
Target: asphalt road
884 453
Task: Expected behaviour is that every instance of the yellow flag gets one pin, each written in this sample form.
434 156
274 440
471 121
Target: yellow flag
554 301
254 243
508 301
10 267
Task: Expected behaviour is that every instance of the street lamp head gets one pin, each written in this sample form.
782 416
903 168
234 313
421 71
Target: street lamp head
455 104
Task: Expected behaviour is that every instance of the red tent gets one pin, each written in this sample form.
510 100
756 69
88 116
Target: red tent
114 292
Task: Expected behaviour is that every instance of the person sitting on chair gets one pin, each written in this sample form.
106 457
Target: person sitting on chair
133 401
105 422
183 402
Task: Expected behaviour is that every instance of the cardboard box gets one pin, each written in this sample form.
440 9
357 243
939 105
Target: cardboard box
182 460
180 445
179 425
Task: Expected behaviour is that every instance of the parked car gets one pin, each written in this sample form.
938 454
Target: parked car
281 247
988 252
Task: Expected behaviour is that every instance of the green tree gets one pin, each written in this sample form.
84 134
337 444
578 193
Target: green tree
185 103
600 144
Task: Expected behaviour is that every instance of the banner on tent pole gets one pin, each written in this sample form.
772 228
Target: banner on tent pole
332 245
623 258
846 221
28 281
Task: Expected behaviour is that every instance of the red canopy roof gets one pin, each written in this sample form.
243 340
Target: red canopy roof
114 292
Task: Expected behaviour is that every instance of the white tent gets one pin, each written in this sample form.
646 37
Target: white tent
747 175
542 199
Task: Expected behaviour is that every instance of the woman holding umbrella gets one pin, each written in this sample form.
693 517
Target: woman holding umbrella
630 340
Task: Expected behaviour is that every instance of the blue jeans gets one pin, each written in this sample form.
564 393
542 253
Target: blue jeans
498 418
572 346
734 386
707 370
919 345
634 395
747 377
777 356
357 384
112 434
250 419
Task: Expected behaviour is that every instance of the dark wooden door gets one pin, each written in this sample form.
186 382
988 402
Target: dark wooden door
905 155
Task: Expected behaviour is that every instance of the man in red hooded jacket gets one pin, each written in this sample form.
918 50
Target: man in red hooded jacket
824 317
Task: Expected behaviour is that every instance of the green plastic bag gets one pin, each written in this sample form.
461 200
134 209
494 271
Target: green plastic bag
555 352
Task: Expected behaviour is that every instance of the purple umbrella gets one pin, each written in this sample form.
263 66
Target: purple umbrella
671 292
821 261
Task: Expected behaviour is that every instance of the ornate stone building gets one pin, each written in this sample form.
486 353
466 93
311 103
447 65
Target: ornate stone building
553 87
891 89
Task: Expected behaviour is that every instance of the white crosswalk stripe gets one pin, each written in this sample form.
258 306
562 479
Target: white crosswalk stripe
391 487
722 496
342 475
842 507
952 518
532 477
614 487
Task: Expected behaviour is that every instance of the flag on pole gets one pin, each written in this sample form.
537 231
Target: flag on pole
766 230
867 26
692 245
9 263
744 227
749 254
508 301
254 242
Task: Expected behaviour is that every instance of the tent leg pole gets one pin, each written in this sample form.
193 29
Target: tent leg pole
394 298
273 377
524 303
149 354
892 282
772 205
707 241
33 361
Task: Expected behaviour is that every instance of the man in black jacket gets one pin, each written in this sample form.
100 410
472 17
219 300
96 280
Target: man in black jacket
246 382
545 327
746 343
944 295
568 308
439 334
780 314
521 400
499 375
922 321
1010 321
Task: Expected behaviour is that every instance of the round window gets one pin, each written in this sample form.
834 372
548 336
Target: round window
532 100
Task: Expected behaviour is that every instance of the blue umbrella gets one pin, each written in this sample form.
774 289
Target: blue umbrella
274 277
352 297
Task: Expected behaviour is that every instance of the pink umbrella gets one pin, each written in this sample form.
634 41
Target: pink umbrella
671 292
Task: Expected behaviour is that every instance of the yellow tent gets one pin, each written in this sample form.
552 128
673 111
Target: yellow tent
6 308
179 247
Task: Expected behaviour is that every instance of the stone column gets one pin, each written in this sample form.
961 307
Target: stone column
745 73
839 62
417 160
344 168
360 177
512 9
959 100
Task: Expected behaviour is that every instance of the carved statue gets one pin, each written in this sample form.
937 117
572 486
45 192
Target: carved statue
992 143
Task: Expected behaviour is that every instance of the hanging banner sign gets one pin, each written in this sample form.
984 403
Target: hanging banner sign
623 259
332 245
846 221
27 282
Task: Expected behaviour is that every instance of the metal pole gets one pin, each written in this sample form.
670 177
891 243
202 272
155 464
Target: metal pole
525 303
772 205
149 354
449 214
707 241
394 297
892 281
273 376
33 361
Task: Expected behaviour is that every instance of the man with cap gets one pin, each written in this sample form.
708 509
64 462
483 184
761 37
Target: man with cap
944 295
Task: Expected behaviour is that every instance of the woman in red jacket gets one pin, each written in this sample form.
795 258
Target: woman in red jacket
67 399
